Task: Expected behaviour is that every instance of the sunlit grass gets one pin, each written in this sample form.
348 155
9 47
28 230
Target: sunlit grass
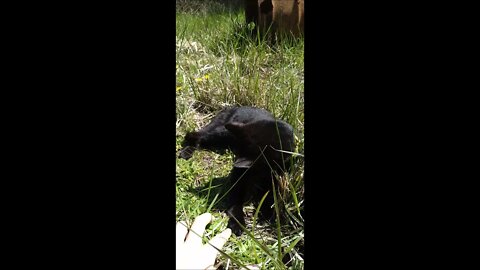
218 64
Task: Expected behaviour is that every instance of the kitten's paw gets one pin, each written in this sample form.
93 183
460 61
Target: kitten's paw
186 152
236 229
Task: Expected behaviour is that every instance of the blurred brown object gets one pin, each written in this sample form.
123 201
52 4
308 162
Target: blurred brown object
277 16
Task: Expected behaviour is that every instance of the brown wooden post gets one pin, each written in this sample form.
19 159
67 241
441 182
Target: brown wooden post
276 16
251 11
288 16
301 12
265 11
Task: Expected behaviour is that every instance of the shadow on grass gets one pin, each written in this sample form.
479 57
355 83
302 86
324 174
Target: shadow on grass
215 192
209 190
216 189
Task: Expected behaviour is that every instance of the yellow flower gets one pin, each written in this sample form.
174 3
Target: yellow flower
202 78
179 88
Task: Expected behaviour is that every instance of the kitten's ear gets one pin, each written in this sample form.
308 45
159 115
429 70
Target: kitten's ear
236 128
243 163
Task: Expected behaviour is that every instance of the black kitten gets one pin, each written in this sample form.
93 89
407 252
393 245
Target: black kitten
255 138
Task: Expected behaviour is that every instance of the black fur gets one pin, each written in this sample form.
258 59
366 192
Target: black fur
246 131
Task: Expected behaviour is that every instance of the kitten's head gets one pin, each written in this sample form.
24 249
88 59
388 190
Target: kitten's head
191 139
258 135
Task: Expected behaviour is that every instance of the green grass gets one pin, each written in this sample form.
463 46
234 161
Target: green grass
219 64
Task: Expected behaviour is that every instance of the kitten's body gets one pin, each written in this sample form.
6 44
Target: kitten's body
246 131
